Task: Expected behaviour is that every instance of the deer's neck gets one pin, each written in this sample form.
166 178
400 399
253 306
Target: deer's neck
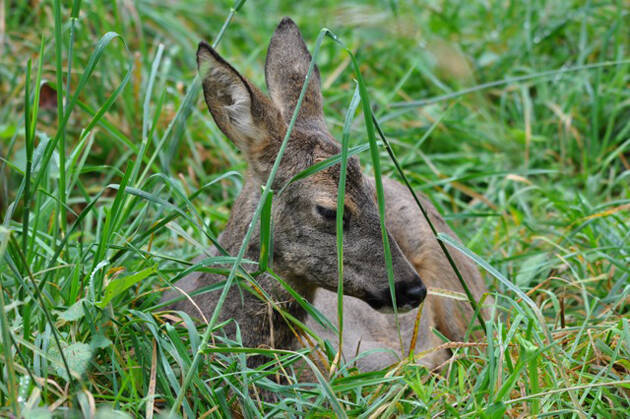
260 323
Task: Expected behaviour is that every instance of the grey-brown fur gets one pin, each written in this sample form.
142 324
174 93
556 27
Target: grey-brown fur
304 231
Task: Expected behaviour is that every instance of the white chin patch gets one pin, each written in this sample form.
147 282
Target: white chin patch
386 310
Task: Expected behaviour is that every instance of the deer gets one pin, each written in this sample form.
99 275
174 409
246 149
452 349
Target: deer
304 225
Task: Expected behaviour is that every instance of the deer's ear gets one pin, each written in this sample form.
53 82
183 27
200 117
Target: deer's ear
286 67
240 110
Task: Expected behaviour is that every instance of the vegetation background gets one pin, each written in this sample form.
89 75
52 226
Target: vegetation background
512 116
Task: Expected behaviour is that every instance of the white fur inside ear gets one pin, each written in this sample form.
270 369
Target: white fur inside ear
239 112
233 96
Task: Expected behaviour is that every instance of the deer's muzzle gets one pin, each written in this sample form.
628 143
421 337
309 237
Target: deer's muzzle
409 295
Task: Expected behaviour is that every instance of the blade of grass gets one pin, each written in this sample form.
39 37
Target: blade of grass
376 165
29 156
146 118
471 298
30 144
266 233
341 195
11 384
61 133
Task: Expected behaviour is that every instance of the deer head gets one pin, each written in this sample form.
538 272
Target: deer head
304 215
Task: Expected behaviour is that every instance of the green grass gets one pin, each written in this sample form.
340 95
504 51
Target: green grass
521 139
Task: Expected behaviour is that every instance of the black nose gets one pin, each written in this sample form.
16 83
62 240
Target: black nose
410 293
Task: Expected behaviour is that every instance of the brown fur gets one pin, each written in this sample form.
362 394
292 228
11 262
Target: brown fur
304 251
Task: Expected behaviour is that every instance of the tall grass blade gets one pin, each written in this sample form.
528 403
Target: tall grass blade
471 298
61 133
341 195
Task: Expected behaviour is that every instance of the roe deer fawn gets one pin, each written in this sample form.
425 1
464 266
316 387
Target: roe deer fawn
304 226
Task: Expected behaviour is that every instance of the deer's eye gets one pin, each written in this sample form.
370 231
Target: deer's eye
330 214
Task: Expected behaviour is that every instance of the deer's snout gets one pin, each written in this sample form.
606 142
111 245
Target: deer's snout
409 295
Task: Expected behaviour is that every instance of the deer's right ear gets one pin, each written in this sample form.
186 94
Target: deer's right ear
240 110
286 67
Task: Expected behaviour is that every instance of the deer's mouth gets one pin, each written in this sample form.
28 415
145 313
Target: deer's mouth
389 309
379 303
386 307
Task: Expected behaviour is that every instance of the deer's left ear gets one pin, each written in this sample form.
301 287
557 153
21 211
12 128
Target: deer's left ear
286 67
244 114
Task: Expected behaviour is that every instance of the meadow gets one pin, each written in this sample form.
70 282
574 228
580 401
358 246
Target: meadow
513 117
